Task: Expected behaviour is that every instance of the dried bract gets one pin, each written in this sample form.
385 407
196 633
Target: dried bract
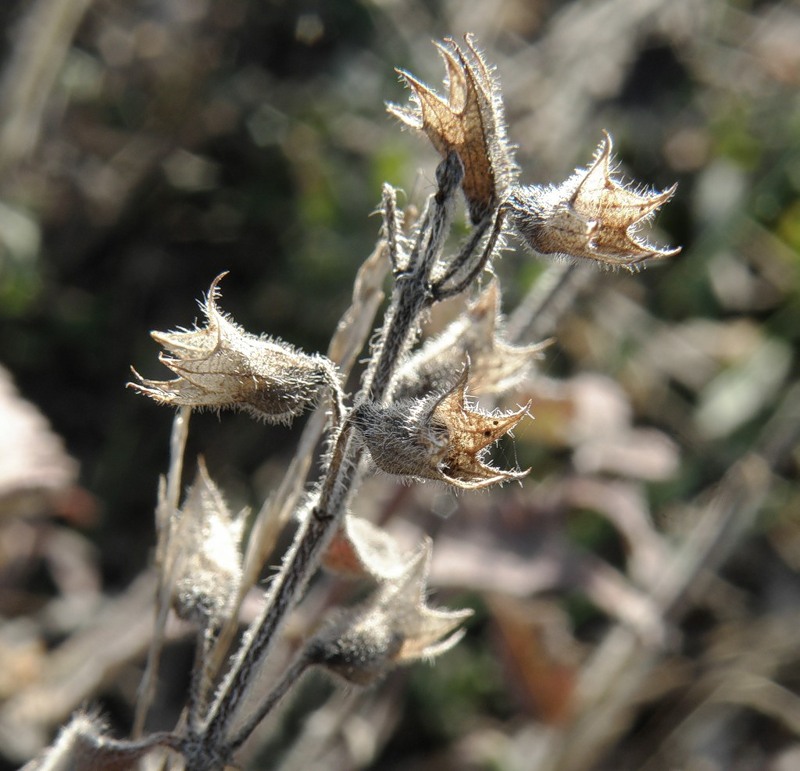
361 549
438 438
590 216
469 121
496 366
220 366
394 627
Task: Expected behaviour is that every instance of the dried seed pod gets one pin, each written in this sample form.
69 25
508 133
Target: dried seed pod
496 366
393 627
203 556
440 438
470 121
220 366
590 216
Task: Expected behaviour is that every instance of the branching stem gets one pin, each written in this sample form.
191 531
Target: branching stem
412 294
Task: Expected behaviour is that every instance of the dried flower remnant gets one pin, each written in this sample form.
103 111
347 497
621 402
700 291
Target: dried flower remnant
496 366
221 366
590 216
394 627
203 556
470 121
84 743
439 438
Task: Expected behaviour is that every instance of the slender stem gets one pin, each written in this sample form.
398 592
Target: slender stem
440 292
128 751
165 511
467 250
407 304
289 583
412 289
299 564
551 295
290 677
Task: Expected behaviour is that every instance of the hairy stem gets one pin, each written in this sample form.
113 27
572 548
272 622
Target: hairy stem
411 296
412 289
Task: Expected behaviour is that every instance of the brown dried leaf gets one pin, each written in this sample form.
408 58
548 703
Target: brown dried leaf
540 655
33 463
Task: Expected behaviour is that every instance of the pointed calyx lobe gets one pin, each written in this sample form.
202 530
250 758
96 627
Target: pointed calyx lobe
221 366
469 121
440 438
591 216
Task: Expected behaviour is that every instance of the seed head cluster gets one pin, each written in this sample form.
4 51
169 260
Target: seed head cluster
410 417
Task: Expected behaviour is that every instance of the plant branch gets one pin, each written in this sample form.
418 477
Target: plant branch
411 295
290 678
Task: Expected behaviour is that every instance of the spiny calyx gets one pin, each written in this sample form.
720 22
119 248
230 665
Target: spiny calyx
496 365
591 216
439 437
394 626
221 366
468 121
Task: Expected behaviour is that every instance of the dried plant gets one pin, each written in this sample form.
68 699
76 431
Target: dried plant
412 417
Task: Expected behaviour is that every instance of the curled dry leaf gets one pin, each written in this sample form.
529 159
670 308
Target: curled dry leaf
220 366
590 216
440 438
469 121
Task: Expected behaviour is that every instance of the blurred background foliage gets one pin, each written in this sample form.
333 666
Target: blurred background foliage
147 146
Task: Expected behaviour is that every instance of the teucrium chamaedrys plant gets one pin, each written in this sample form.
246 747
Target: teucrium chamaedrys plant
412 417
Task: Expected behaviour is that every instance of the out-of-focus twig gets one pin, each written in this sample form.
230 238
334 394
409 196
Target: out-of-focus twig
550 297
167 505
38 54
